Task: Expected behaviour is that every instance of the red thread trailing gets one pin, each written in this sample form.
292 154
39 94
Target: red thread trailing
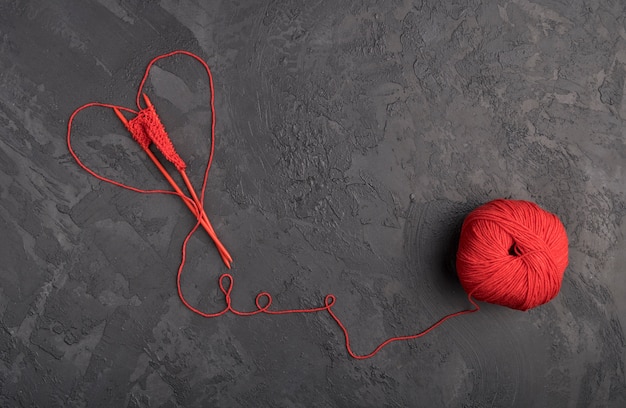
477 234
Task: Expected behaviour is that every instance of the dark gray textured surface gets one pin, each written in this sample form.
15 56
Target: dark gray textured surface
353 137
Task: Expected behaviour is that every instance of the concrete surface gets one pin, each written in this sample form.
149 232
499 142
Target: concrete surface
352 139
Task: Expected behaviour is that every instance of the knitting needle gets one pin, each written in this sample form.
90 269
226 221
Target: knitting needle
192 191
191 204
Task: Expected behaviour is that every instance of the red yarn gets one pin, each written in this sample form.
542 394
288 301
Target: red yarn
512 253
147 125
139 131
486 269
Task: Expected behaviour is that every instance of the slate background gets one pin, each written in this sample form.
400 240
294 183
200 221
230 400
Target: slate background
352 139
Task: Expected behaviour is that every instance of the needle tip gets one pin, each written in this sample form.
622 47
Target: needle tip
148 102
120 116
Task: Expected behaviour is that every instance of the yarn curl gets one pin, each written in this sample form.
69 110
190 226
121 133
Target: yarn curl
512 253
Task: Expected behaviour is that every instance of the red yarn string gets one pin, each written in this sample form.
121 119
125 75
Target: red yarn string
263 300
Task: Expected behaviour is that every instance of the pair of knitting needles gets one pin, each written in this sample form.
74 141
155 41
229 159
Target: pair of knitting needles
193 203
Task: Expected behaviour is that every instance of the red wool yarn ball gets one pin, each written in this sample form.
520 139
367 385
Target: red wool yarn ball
512 253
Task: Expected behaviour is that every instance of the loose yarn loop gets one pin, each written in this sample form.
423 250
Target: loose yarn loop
512 253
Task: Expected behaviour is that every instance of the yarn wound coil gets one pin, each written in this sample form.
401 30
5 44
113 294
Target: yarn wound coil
512 253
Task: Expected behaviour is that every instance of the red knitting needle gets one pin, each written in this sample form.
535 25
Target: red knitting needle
194 205
183 174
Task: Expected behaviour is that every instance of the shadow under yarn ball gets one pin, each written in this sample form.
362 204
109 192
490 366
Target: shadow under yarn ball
431 240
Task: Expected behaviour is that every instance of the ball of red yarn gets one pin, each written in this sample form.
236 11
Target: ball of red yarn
512 253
